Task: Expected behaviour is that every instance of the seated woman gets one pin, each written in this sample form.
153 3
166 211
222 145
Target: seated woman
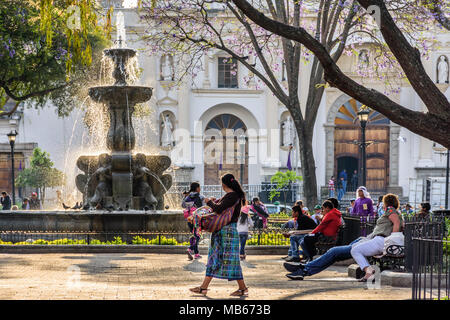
388 223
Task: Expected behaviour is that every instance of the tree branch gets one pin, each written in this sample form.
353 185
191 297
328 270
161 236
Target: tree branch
417 122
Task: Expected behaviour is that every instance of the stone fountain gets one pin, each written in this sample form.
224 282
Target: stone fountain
121 180
126 189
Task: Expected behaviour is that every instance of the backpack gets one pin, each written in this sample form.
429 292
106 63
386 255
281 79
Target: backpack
197 204
261 214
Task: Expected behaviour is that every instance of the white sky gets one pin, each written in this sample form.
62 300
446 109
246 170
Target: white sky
129 3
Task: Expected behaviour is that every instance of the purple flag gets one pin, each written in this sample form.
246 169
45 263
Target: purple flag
20 165
289 166
220 163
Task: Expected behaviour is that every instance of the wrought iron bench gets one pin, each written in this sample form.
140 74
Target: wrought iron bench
326 243
394 259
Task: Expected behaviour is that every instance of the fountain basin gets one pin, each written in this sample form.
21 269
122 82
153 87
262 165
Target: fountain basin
120 52
93 221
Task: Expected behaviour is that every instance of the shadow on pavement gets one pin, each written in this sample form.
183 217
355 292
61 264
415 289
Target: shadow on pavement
195 266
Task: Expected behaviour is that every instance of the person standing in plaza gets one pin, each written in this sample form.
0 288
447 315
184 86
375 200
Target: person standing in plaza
193 200
317 216
35 203
363 204
331 185
380 207
5 201
244 223
343 178
223 254
340 188
261 213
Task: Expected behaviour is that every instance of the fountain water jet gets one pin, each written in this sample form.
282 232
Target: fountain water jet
121 180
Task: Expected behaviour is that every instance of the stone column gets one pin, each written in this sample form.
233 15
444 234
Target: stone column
394 157
206 81
251 75
329 151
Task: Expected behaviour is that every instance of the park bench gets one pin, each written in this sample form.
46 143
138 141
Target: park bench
326 243
394 259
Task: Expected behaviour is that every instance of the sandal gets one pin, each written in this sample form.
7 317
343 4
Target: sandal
240 292
367 277
199 290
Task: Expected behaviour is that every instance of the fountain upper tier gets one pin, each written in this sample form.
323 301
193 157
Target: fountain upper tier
121 95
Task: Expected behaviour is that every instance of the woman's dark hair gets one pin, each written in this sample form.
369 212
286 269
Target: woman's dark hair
255 199
297 209
425 206
380 198
194 186
229 180
391 200
243 218
328 204
335 202
299 203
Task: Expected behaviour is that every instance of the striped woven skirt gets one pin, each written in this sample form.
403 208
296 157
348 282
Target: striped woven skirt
223 254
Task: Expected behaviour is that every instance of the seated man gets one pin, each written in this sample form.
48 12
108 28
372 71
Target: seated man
304 222
317 216
299 271
329 228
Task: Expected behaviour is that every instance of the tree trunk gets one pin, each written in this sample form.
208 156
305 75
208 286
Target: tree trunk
308 166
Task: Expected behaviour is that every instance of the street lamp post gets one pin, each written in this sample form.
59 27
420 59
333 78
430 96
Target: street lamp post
442 150
363 115
12 140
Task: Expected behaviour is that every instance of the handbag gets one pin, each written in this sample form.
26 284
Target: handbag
205 220
395 239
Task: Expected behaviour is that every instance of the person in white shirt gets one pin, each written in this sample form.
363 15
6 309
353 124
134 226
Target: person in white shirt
317 216
243 224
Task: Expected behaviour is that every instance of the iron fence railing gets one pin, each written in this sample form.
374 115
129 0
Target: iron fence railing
357 226
431 276
267 236
293 192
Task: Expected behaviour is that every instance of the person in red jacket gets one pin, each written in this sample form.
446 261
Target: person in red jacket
328 228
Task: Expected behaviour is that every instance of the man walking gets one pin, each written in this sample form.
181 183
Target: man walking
5 201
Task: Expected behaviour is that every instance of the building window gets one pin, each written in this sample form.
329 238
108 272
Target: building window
228 73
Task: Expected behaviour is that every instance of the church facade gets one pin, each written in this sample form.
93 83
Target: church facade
216 122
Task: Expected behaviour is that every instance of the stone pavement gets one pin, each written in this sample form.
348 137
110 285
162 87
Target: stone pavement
166 276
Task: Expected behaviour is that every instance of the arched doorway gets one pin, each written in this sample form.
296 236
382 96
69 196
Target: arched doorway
225 149
347 152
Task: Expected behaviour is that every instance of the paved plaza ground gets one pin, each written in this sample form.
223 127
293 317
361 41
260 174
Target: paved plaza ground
166 276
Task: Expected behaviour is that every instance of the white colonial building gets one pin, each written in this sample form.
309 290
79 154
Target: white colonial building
183 116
